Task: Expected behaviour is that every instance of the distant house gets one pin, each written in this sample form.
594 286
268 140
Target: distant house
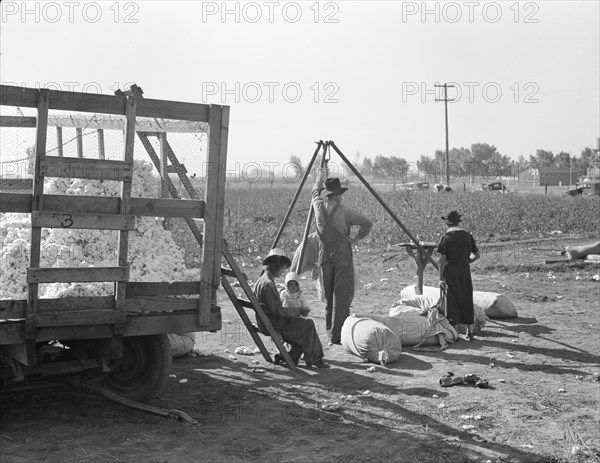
556 176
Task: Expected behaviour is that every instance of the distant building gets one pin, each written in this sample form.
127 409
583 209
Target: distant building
555 176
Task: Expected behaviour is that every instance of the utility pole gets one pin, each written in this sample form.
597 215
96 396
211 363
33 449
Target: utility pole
445 100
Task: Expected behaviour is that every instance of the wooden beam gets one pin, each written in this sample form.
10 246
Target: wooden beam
42 100
151 126
108 104
215 205
76 317
63 100
82 221
137 324
173 110
176 288
96 169
59 141
123 246
17 121
160 304
79 133
37 275
140 207
15 202
164 163
101 150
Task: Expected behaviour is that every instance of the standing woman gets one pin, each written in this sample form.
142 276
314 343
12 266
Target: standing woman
458 250
300 333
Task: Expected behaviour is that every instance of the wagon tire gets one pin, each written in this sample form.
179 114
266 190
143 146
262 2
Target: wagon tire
142 371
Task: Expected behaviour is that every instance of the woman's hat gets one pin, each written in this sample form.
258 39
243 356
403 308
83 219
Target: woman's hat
452 218
291 276
332 187
277 254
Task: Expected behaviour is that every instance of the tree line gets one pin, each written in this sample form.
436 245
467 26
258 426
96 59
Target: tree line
481 159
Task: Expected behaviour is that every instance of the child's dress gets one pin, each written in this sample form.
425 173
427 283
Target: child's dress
293 302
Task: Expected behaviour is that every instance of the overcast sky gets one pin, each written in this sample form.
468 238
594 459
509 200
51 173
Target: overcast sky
359 73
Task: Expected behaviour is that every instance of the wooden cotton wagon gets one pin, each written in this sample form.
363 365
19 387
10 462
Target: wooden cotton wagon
120 339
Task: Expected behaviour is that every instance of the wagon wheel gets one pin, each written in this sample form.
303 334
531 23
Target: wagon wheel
142 371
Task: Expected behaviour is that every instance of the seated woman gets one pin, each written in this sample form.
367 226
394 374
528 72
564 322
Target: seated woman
300 333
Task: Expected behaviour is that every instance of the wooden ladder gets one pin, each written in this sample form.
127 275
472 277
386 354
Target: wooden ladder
252 303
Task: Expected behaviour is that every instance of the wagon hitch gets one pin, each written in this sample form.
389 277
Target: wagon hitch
97 389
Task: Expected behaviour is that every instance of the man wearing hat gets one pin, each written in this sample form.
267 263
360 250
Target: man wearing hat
335 250
300 333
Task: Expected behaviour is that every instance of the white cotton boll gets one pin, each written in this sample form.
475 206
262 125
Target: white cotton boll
152 251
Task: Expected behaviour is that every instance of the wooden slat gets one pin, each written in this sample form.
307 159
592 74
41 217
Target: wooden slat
79 133
16 185
160 304
17 121
76 303
121 287
101 147
176 288
108 104
59 141
82 221
148 107
142 207
137 324
67 101
76 317
93 169
102 122
15 202
77 274
81 204
12 309
42 103
192 209
215 205
164 171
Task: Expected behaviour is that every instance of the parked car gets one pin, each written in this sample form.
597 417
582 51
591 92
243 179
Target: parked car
494 186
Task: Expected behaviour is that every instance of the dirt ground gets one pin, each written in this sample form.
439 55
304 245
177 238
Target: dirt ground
543 368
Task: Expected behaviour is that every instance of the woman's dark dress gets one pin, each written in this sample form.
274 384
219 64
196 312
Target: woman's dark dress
300 333
457 245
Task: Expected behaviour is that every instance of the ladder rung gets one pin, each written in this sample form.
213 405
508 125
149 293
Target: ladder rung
227 272
245 303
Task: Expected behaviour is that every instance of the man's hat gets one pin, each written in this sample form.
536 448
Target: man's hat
332 187
277 254
453 218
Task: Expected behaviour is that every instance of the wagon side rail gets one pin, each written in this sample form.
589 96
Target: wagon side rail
137 308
